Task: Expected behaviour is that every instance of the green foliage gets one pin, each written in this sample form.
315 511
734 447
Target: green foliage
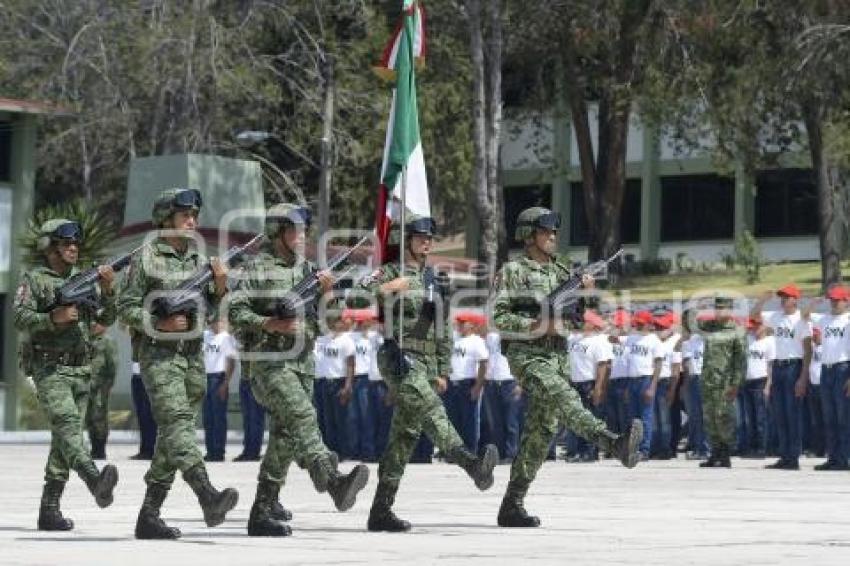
98 231
748 256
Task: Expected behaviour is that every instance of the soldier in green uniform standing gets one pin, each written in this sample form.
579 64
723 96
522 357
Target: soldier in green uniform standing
102 379
538 358
282 371
57 353
413 373
724 369
173 367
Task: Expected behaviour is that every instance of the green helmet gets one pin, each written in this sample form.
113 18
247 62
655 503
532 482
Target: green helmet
281 214
414 224
171 200
535 217
58 229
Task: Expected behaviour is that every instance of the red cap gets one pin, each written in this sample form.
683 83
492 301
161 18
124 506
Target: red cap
593 319
642 317
753 323
789 290
705 316
476 318
348 314
621 318
359 315
666 320
838 293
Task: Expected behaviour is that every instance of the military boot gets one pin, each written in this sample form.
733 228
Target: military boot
479 468
149 524
320 471
261 523
279 512
49 516
100 483
624 447
344 488
723 458
215 503
512 513
98 448
381 516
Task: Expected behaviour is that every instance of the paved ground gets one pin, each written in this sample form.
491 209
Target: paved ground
659 513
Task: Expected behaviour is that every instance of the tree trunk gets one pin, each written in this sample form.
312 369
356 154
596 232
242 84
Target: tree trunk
829 209
326 172
494 128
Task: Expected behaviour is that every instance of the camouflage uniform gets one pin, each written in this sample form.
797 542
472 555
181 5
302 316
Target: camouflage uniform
541 366
418 408
58 356
174 377
102 379
284 386
724 368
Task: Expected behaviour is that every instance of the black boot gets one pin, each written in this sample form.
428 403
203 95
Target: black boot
98 448
381 516
101 483
260 522
215 504
713 458
512 513
279 512
49 516
479 468
723 457
149 524
344 488
624 447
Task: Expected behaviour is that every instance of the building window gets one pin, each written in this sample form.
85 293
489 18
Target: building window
786 203
518 199
5 151
697 207
629 215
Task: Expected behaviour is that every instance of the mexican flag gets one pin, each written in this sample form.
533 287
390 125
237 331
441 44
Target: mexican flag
403 147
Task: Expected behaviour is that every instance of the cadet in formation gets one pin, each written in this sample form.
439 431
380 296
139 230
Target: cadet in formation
57 353
724 369
173 366
282 371
537 355
414 372
102 380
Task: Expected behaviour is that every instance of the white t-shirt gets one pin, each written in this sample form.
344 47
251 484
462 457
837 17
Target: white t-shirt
217 348
643 350
759 352
362 353
619 358
789 330
375 341
814 367
336 352
692 350
587 351
319 356
498 368
136 368
835 338
671 356
467 353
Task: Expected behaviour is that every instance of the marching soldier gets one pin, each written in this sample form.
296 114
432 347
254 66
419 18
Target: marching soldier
284 383
412 375
102 380
540 363
58 356
173 369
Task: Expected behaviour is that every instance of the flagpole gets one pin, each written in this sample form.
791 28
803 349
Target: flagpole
402 252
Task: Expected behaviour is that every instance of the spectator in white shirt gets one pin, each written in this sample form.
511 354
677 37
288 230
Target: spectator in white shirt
380 400
339 355
363 437
503 405
668 381
692 353
752 397
813 439
646 352
618 381
467 378
220 355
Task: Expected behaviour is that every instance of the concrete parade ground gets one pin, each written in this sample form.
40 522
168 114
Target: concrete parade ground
659 513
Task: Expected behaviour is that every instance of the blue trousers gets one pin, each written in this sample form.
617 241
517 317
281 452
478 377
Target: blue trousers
661 424
253 420
360 421
501 417
339 432
752 417
693 405
578 445
464 412
787 409
641 409
380 415
617 405
813 440
319 405
215 417
144 414
836 411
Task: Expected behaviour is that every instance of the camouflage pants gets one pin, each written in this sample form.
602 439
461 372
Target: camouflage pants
63 394
287 395
97 413
719 414
418 409
544 376
176 384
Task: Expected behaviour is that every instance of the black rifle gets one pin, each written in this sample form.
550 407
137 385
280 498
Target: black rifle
564 299
190 293
303 297
80 289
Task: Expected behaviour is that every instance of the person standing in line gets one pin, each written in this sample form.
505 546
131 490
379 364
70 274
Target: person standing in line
469 367
668 382
816 432
363 435
692 353
253 413
220 354
754 394
646 353
340 358
504 403
618 381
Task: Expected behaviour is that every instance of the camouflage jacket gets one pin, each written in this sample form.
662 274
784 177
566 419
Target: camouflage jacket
158 267
425 332
266 279
725 356
103 364
35 299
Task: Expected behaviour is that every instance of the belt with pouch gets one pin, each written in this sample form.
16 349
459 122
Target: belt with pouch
186 347
60 357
